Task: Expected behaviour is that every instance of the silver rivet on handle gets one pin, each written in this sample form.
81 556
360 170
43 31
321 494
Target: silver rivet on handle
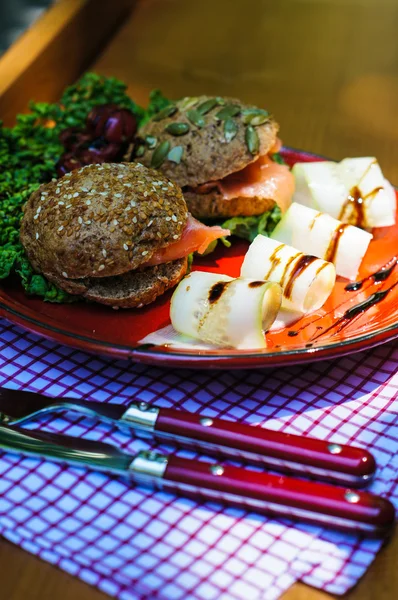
141 417
352 497
148 465
216 469
206 421
334 448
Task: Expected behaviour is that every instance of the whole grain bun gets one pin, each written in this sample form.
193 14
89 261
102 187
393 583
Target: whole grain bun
130 290
214 206
207 156
101 221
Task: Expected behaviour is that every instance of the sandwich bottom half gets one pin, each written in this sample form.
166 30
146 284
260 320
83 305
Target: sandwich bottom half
133 289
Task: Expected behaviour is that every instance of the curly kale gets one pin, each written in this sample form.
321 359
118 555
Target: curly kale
29 152
157 102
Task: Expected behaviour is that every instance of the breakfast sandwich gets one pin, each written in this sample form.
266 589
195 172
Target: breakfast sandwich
222 153
117 234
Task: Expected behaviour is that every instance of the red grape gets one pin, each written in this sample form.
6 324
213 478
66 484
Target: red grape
99 151
120 126
108 131
72 138
97 118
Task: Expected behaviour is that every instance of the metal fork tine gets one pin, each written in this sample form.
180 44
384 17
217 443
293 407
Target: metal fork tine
19 406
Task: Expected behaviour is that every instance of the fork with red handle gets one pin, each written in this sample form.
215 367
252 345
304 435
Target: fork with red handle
341 507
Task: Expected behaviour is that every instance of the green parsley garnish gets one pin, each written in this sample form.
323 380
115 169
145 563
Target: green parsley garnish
29 152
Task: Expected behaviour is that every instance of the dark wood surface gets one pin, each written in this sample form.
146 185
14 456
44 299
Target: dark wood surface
328 70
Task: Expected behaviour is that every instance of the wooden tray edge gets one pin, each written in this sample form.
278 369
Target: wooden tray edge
55 51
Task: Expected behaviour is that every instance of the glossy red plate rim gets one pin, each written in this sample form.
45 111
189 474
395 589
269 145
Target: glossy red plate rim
156 356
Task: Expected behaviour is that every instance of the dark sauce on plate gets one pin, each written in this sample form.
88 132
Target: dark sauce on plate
355 311
380 275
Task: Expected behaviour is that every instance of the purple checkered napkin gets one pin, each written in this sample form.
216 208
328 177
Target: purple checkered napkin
138 544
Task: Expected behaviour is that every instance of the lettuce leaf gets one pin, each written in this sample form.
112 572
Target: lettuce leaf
248 228
190 261
278 158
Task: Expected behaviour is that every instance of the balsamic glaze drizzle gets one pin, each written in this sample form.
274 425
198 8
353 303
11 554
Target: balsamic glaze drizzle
303 262
217 290
381 275
355 311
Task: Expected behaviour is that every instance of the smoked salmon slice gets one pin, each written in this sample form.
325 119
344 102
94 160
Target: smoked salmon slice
263 178
196 237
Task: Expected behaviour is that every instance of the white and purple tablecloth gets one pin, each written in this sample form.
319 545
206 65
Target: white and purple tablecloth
134 543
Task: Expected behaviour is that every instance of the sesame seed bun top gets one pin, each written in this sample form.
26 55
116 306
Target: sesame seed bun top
101 220
211 149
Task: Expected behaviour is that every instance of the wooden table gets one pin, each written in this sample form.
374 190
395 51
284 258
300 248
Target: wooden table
326 69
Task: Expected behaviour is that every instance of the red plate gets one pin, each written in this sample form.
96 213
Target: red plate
324 334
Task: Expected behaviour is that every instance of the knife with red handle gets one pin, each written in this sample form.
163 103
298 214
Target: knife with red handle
338 463
278 495
321 503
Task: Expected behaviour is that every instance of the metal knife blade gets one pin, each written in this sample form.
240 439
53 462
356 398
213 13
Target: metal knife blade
65 449
334 507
